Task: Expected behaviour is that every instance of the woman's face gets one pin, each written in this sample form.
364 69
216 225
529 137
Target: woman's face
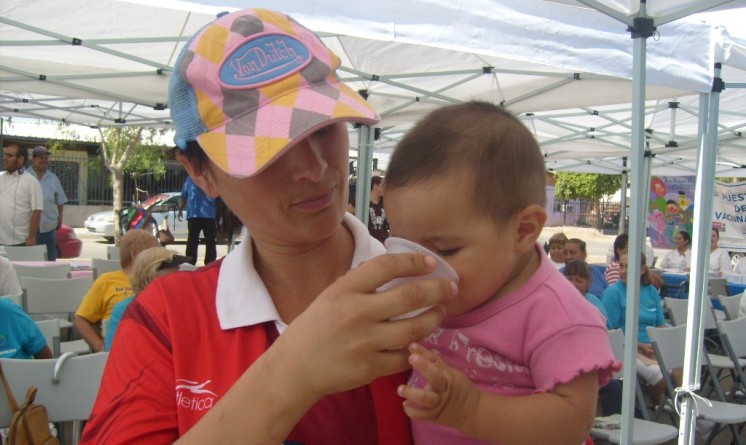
557 252
573 252
580 282
623 268
300 198
681 242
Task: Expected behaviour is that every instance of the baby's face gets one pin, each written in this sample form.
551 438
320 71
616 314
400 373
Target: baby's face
439 215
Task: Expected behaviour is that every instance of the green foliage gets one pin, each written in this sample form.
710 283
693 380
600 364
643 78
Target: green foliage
593 186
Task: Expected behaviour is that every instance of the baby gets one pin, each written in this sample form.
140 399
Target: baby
520 355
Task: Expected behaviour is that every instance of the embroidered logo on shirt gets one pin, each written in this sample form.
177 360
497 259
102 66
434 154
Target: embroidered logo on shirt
192 395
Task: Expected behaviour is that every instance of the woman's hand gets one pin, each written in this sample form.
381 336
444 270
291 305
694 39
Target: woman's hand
345 339
646 349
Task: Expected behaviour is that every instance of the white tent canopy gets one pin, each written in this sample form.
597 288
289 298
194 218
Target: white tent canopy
107 62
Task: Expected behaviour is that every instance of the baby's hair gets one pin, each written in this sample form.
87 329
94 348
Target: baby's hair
558 238
486 145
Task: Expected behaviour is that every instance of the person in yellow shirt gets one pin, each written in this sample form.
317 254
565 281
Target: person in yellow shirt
110 288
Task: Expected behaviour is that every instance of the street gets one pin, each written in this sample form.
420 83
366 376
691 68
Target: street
94 246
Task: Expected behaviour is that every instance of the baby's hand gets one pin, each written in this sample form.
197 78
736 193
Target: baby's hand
448 398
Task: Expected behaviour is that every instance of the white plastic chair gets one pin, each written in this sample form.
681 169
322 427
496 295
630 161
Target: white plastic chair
67 386
679 314
644 432
15 298
112 253
52 333
731 305
717 286
54 296
26 253
733 335
670 344
101 266
58 270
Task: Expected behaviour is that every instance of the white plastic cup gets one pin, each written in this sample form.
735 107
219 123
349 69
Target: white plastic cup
442 270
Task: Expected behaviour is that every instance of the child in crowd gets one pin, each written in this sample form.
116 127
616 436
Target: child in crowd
579 274
557 249
519 346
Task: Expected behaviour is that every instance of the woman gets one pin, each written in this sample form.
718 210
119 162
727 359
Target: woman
620 248
285 339
575 250
681 257
557 249
719 258
614 300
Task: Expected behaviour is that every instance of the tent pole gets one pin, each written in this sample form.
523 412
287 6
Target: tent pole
364 172
703 204
623 200
641 30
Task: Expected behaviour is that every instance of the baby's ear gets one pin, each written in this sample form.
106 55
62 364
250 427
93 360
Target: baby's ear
199 174
530 224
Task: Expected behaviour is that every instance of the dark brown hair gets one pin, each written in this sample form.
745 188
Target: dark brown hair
484 143
577 267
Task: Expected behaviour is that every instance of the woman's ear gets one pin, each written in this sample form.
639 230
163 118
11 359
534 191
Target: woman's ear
200 174
530 224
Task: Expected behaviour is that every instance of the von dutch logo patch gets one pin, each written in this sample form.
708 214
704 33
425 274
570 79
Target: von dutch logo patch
263 59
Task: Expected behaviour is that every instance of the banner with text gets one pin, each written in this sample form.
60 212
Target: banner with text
729 212
671 209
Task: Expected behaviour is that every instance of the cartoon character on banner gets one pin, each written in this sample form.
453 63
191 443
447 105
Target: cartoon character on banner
673 213
657 229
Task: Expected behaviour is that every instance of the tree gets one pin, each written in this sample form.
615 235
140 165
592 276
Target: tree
129 150
589 186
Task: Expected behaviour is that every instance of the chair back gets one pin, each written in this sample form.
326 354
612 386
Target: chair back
101 266
112 253
733 333
679 312
15 298
59 270
717 286
45 296
669 344
616 341
26 253
67 385
731 305
52 334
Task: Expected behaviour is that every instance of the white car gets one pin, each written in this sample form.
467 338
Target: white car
163 207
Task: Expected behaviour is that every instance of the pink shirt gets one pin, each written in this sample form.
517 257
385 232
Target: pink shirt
525 342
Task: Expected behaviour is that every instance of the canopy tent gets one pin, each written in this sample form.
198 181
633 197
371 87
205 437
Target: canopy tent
108 62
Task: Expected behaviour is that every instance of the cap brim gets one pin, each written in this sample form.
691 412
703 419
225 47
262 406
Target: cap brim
250 143
175 261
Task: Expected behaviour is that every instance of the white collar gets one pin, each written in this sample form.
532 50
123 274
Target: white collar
246 301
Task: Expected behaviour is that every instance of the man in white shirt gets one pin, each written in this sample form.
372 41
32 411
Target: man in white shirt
21 200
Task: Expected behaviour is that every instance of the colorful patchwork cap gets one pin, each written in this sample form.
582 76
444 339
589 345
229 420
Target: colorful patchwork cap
251 83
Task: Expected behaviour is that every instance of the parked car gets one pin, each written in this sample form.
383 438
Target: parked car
68 244
163 206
